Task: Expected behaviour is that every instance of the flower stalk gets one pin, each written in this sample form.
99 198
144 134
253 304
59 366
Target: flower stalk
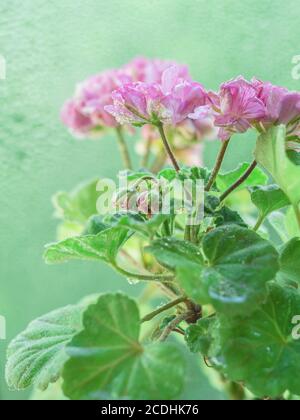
240 181
164 308
217 166
124 151
168 147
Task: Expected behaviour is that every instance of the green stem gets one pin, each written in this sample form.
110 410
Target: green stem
172 325
297 213
167 229
145 159
259 223
144 277
123 149
195 232
188 233
168 147
217 166
240 181
164 308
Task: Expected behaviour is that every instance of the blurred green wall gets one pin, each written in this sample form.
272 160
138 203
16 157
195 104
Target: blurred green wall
49 45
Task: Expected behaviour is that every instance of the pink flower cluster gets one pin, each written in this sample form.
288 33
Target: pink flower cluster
241 105
169 102
152 92
85 114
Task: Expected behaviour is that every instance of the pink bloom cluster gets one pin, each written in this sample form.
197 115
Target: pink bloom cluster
145 70
151 92
241 105
169 102
85 114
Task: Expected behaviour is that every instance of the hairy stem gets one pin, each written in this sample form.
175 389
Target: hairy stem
123 149
144 277
172 325
164 308
168 147
218 165
240 181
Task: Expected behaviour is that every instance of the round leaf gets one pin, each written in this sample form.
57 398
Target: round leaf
104 246
268 199
37 355
258 177
107 357
238 265
261 350
290 261
171 252
271 154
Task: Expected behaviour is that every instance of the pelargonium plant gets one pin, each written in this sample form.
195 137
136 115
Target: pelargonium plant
221 275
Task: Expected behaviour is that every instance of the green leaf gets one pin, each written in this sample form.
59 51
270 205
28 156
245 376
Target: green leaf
79 205
294 157
222 215
277 221
132 176
291 223
238 265
229 270
168 173
260 350
171 252
268 199
107 357
37 355
226 216
140 224
290 261
271 154
96 225
104 246
195 174
52 393
258 177
199 336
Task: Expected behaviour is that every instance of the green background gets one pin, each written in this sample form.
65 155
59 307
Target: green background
49 46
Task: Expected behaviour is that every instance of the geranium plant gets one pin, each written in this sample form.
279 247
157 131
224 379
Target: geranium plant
229 283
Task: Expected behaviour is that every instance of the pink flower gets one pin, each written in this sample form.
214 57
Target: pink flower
169 102
142 69
182 96
202 122
85 113
282 106
74 119
137 104
240 107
